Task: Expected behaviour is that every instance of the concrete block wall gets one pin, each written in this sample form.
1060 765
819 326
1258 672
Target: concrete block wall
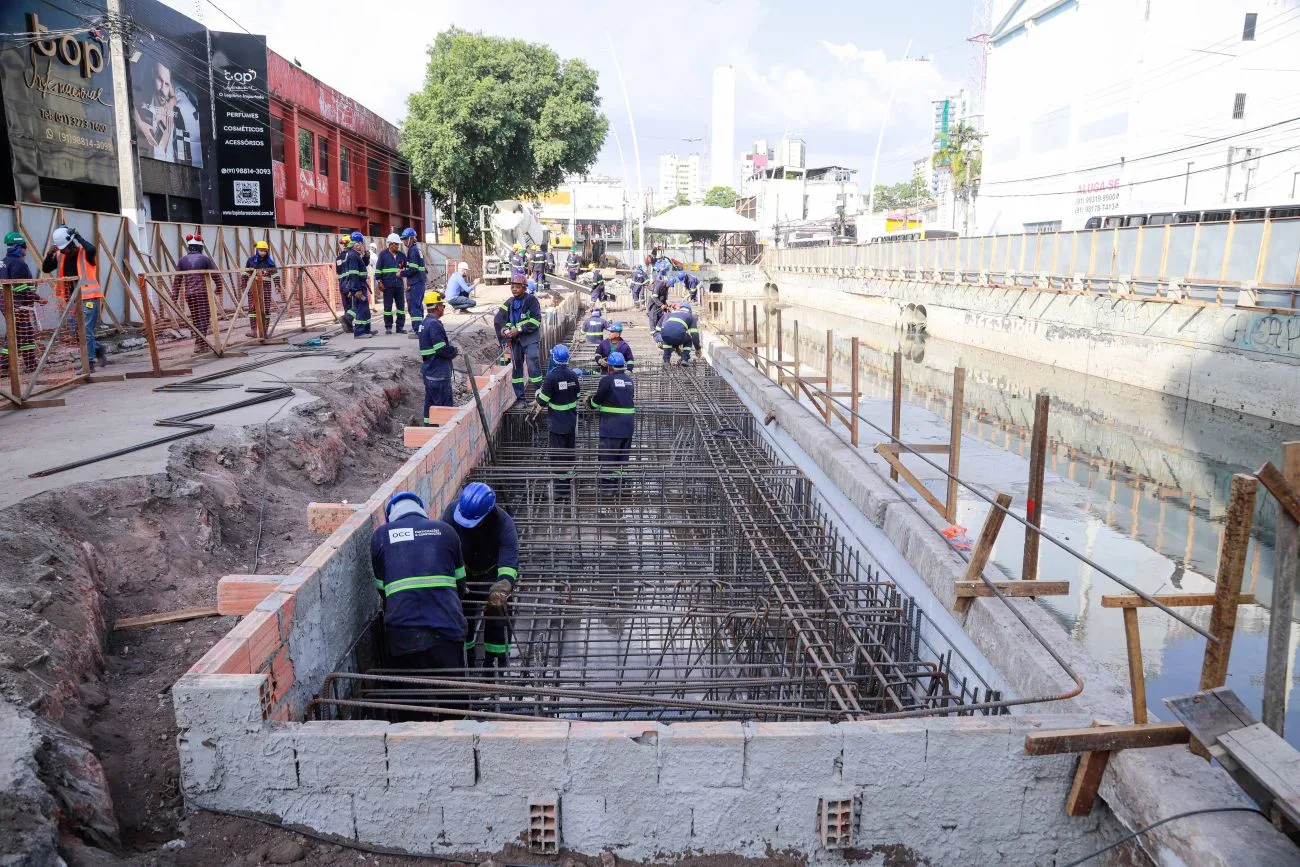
1140 786
950 790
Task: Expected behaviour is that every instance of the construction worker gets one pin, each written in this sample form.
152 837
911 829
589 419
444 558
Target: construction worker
639 281
614 342
518 258
416 278
518 322
420 573
537 264
678 333
615 402
593 329
491 546
572 263
262 276
656 307
597 286
340 259
72 258
559 395
191 280
354 283
692 284
388 276
14 267
436 353
459 290
550 260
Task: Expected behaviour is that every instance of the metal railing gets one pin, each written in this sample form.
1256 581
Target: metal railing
1252 263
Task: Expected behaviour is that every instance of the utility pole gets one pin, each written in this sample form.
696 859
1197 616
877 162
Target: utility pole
128 179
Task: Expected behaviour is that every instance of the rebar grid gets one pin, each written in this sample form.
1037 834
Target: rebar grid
704 583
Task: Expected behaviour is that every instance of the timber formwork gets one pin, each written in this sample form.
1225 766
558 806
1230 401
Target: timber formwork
704 582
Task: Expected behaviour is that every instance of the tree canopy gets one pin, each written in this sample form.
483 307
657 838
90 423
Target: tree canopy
961 152
721 197
499 119
905 194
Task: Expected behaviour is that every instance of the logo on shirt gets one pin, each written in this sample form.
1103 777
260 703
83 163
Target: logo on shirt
401 534
618 383
562 386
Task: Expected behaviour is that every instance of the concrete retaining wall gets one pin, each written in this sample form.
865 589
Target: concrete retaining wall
1140 786
1236 358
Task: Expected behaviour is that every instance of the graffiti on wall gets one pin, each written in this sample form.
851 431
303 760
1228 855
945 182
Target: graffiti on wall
1263 332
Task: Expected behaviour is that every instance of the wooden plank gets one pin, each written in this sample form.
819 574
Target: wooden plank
896 410
1271 761
1173 600
954 443
1053 743
983 549
1087 779
911 479
35 404
1286 570
1018 589
1034 500
1210 713
1227 581
917 448
1137 679
165 617
1276 483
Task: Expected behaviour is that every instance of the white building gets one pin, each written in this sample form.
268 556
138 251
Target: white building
792 151
722 151
1099 110
594 204
679 176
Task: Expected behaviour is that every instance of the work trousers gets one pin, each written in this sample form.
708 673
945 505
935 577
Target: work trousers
495 628
614 451
462 302
598 294
561 448
360 312
415 305
437 392
265 284
530 354
200 307
652 317
394 303
445 659
346 308
24 326
539 275
573 273
682 349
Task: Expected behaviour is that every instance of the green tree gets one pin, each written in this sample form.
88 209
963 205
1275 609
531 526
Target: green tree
498 119
721 197
905 194
960 151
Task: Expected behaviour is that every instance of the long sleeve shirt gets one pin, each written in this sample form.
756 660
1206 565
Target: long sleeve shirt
458 286
615 401
196 261
420 570
559 394
388 269
436 351
607 346
15 267
491 549
413 269
524 314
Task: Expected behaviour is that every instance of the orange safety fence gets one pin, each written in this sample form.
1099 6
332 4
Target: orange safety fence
193 313
44 346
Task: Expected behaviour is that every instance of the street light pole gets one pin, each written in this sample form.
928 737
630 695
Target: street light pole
636 148
880 138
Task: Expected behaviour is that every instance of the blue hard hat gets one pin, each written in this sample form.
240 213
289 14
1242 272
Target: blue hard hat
560 354
595 311
532 284
408 232
357 236
616 360
401 496
616 327
638 270
685 305
476 502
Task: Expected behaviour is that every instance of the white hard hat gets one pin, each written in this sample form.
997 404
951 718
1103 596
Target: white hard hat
393 239
62 237
463 266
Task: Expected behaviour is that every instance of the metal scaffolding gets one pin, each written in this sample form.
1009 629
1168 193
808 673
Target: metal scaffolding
706 582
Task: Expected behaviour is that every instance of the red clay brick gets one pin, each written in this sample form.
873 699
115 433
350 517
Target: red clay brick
281 675
261 632
228 656
326 517
240 594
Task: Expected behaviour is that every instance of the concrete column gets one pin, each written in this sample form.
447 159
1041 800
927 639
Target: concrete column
291 187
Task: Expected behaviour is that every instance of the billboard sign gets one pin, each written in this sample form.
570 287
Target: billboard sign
243 128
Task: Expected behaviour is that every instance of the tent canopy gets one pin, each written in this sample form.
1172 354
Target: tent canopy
700 218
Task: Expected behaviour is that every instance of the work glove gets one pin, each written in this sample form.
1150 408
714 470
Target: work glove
498 595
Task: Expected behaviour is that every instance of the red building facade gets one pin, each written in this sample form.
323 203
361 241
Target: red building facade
336 166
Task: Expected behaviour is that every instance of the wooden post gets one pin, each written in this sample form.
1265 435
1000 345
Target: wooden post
257 305
1034 503
301 292
1277 665
853 385
830 372
954 442
780 343
754 307
74 297
146 313
983 548
1228 578
1136 677
896 414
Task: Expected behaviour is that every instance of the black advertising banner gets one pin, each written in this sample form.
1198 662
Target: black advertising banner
243 128
58 96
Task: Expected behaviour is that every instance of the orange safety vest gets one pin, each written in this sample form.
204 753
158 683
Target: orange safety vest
89 274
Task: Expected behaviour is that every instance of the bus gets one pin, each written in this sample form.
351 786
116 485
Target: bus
912 235
1212 214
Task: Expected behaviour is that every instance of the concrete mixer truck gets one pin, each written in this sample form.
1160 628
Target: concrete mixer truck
503 225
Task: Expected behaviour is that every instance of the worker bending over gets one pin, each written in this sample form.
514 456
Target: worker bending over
679 333
491 546
420 573
692 285
559 394
597 286
436 353
388 275
416 278
518 322
459 290
614 342
593 329
615 402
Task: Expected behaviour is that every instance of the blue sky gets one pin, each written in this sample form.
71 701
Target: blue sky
822 70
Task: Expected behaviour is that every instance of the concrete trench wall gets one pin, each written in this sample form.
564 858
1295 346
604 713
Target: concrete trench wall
1140 786
1237 358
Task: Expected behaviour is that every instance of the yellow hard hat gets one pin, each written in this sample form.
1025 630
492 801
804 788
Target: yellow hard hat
261 245
433 297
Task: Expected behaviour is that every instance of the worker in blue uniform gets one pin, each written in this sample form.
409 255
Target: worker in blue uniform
597 286
572 263
25 324
389 265
420 573
550 260
593 328
518 322
656 307
353 281
263 277
518 258
615 403
679 332
340 260
491 547
559 395
436 354
692 284
537 264
638 284
417 276
614 342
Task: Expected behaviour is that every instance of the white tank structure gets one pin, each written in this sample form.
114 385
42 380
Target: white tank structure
506 223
